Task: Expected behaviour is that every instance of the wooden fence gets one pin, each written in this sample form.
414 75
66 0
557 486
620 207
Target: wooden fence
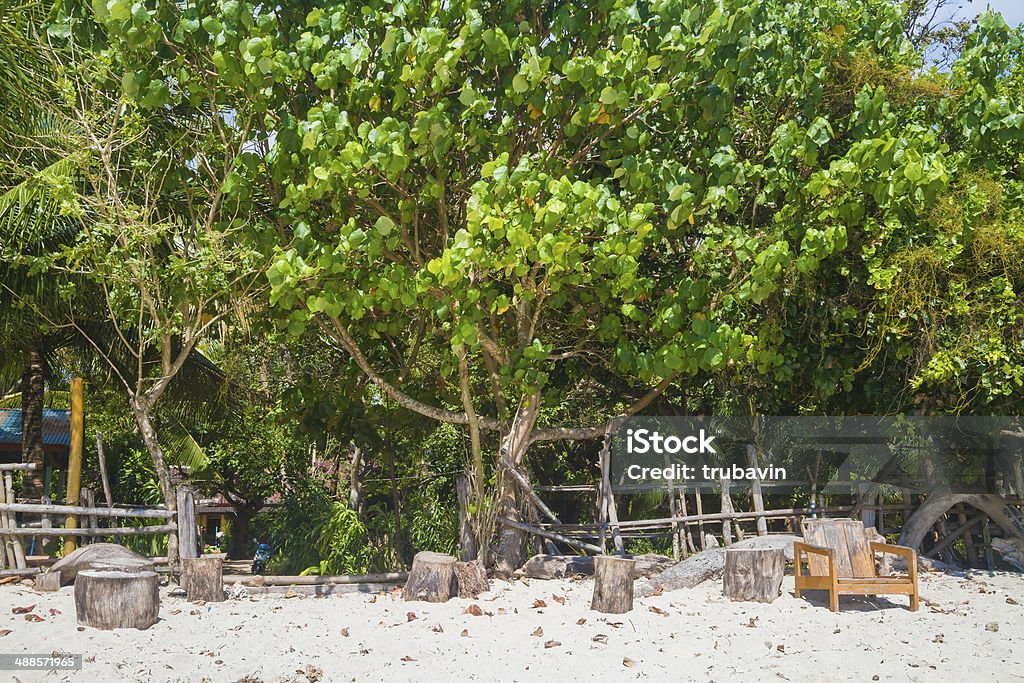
61 521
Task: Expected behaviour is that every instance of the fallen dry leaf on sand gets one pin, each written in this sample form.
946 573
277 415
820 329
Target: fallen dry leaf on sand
4 632
437 629
407 658
475 610
344 632
551 644
33 617
600 638
581 621
465 633
657 610
626 661
538 632
23 610
411 616
558 598
537 604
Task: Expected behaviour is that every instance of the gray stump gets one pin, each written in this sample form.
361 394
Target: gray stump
613 585
107 600
203 578
753 573
431 578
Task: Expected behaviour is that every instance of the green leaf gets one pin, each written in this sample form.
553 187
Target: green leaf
520 84
384 225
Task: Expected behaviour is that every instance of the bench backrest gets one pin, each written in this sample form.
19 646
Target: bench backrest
847 537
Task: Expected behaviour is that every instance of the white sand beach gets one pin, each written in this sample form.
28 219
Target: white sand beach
970 627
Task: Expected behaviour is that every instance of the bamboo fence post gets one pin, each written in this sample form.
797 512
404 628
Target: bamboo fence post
726 509
700 515
762 523
673 511
8 551
12 523
75 456
101 456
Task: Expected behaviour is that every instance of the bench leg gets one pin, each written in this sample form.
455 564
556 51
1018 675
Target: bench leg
913 601
833 600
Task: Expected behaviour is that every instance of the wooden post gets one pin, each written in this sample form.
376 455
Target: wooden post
101 456
431 578
613 585
89 501
753 573
686 539
972 553
12 523
47 582
700 514
986 535
7 554
188 531
866 498
110 599
75 457
762 523
726 509
203 578
673 511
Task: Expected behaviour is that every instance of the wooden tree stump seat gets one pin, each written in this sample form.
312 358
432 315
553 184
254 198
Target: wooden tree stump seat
613 585
431 578
203 578
753 573
112 599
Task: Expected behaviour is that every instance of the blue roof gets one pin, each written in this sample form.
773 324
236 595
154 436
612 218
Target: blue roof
56 427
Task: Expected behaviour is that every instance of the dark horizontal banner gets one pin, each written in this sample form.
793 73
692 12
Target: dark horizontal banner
837 454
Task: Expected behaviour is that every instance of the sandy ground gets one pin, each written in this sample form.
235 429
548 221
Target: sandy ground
969 627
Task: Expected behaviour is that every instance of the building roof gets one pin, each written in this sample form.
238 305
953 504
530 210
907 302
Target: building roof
56 428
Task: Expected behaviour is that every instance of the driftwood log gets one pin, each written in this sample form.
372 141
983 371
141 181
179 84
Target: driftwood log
470 579
431 578
203 578
708 565
562 566
108 600
100 556
753 573
613 585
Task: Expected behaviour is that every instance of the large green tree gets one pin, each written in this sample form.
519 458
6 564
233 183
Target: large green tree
532 203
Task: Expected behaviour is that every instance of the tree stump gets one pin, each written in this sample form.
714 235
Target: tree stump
613 585
431 578
48 581
108 600
203 578
753 573
471 578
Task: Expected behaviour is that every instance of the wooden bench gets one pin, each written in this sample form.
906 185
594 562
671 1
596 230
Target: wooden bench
841 560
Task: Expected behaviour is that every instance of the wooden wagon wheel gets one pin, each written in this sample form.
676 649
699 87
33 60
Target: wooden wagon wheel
936 507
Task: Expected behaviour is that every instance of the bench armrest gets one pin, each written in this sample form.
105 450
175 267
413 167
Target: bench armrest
902 551
890 549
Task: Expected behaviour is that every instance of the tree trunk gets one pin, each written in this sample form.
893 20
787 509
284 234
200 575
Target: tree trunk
468 546
240 534
511 553
140 412
355 485
33 388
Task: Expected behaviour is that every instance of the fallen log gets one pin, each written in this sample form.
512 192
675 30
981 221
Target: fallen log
708 565
100 556
562 566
